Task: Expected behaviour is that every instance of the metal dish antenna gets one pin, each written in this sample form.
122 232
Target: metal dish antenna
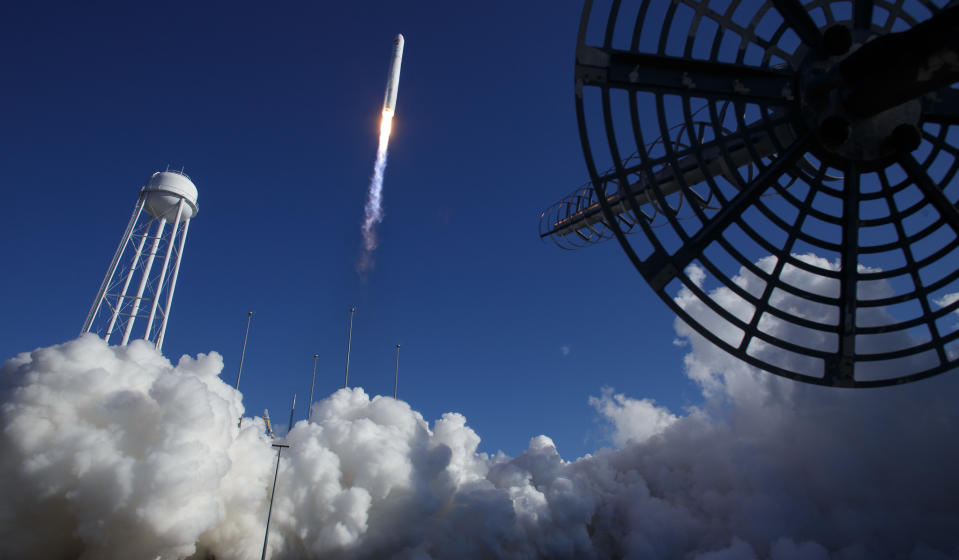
787 172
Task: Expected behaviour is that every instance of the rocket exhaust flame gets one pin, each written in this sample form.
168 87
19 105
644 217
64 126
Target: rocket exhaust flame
373 212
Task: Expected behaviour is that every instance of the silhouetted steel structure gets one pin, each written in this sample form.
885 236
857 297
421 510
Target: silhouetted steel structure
791 168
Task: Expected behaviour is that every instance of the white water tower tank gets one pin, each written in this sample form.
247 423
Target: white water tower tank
163 192
167 198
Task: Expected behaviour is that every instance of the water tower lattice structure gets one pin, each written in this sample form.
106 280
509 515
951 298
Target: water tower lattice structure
132 288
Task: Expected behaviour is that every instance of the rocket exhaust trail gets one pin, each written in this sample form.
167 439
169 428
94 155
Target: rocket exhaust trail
373 212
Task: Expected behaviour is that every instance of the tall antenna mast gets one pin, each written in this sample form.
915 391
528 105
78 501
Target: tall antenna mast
396 370
280 446
292 410
309 410
239 372
349 340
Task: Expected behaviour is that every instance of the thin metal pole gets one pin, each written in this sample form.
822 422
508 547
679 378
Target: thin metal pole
113 265
292 410
143 282
239 372
396 372
169 296
166 265
126 282
309 411
279 450
349 340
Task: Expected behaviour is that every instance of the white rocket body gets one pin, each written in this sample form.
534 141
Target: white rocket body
393 81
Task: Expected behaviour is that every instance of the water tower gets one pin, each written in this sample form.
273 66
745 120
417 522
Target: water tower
167 199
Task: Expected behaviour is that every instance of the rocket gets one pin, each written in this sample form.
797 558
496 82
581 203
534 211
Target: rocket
393 80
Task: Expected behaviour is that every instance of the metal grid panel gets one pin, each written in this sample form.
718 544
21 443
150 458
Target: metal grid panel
818 250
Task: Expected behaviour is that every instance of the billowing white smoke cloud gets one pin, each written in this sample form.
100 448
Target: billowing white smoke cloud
114 453
635 420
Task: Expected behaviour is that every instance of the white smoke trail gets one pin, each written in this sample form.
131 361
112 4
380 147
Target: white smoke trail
373 211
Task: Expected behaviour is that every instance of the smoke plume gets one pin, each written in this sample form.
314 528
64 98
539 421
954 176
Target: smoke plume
114 452
373 211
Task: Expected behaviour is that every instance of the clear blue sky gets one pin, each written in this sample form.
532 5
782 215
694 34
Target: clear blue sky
273 111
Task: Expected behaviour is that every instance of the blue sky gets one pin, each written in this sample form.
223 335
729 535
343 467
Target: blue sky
273 111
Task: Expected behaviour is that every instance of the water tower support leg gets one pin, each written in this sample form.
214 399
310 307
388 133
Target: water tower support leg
126 283
166 265
143 282
176 273
98 302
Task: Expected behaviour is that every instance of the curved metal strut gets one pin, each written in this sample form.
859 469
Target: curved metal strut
792 171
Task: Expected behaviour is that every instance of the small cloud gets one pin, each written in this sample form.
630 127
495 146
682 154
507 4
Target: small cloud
947 300
633 420
565 350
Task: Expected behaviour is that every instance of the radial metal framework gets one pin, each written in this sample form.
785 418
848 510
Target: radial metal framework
788 170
